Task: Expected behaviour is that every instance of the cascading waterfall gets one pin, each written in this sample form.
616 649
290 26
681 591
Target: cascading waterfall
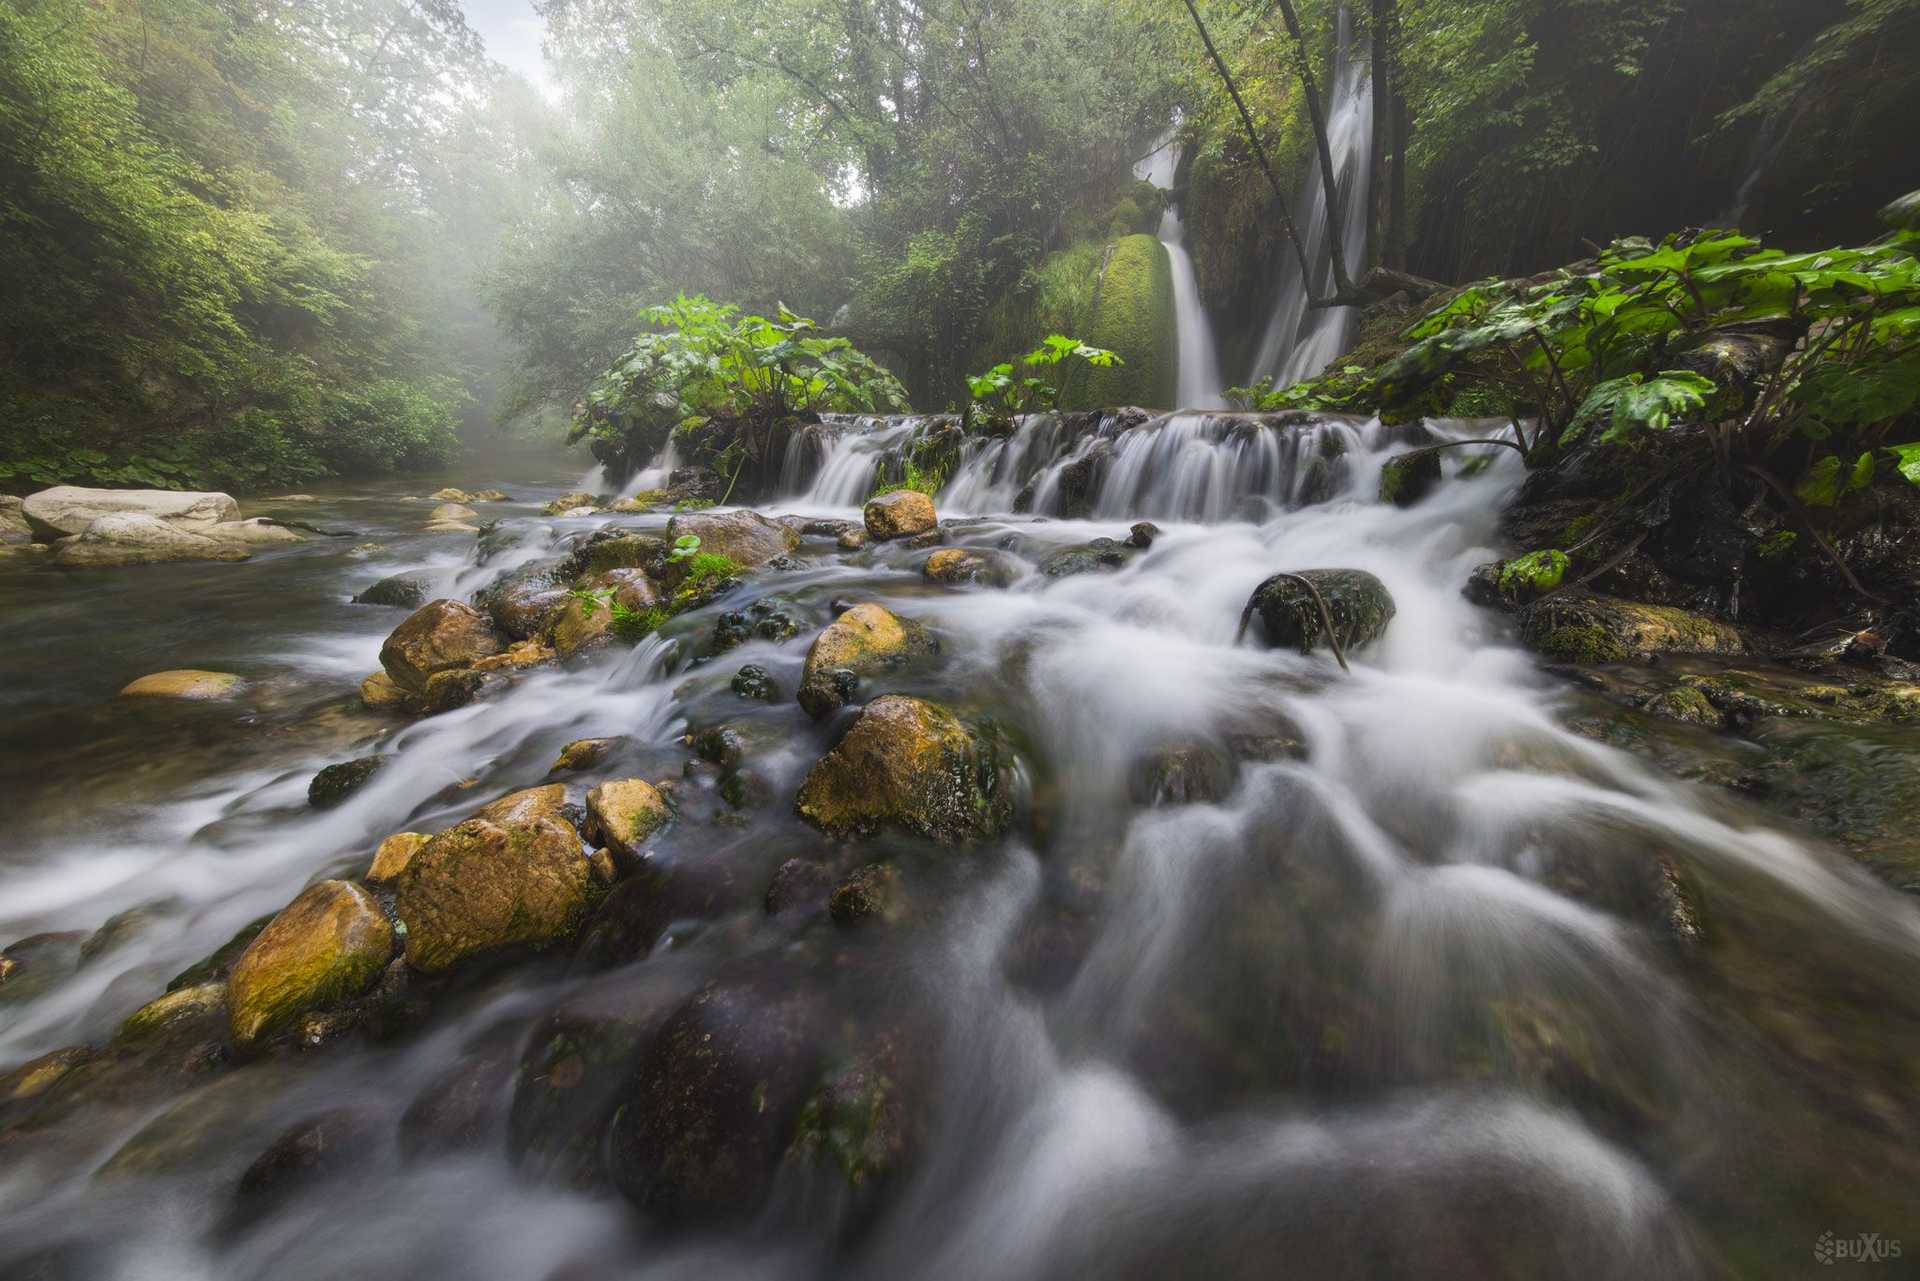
1200 383
1300 341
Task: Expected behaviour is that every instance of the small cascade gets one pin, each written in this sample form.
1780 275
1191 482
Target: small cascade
656 475
1300 341
836 461
1199 384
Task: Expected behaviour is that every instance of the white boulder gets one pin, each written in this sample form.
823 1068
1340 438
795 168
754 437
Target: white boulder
67 510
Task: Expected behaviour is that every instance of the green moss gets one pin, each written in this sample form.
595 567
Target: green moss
1582 643
1536 572
1578 528
1777 546
1132 315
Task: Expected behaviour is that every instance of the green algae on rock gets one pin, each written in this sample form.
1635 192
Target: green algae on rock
911 764
1289 616
479 886
1586 627
328 945
865 639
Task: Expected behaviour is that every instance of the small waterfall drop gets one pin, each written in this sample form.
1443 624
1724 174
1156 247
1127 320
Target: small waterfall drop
1300 342
1200 384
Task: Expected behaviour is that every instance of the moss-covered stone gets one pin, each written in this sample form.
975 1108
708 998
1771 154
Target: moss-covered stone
755 682
479 886
1286 615
185 683
379 693
585 753
1585 627
1407 478
581 625
1102 555
181 1005
336 783
440 635
865 639
1687 703
963 565
328 945
911 764
393 855
900 514
743 537
870 893
1132 315
623 813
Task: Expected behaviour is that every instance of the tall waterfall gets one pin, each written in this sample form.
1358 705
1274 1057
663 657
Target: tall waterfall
1200 383
1300 342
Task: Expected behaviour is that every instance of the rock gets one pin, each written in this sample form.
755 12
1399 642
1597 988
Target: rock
463 1108
851 540
394 854
663 889
1100 555
451 495
131 538
22 551
450 527
870 893
31 965
179 1006
524 806
515 657
857 1126
489 496
456 688
14 529
713 1105
1288 617
754 681
765 619
450 512
901 514
864 639
1586 627
403 591
524 604
622 814
932 538
336 783
798 885
329 945
1192 773
36 1076
959 565
479 886
1689 703
610 549
576 630
743 537
441 635
911 764
257 531
585 753
70 509
184 683
311 1151
1142 534
220 963
1407 478
569 502
379 693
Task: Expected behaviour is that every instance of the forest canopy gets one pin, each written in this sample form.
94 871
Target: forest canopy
250 242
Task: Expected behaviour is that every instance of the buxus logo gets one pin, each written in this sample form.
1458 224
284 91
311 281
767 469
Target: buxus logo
1866 1247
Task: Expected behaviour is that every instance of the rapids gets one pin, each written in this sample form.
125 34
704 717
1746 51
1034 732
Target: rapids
1412 999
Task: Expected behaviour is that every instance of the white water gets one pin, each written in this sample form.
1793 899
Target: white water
1200 384
1299 341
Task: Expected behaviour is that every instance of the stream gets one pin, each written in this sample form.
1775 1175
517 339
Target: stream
1436 987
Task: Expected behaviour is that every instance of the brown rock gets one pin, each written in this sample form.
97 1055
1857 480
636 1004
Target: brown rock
439 636
623 813
394 854
479 886
585 753
184 683
745 538
911 764
901 514
959 565
328 945
546 801
380 694
866 638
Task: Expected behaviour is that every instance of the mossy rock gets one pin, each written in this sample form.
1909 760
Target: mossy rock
1586 627
1285 615
334 784
900 514
910 764
955 565
623 813
1407 478
437 637
328 945
1134 317
865 639
480 886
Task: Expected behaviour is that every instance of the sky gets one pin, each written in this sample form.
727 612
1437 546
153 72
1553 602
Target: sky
511 30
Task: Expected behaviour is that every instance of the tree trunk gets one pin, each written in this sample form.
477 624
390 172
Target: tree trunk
1303 63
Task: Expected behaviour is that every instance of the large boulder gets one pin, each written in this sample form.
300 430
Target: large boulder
437 637
901 514
745 538
14 528
577 626
449 513
911 764
714 1103
479 886
258 531
1586 627
69 509
864 639
402 591
1102 555
523 604
328 945
1285 614
135 538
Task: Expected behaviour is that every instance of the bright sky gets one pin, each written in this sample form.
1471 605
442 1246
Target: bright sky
512 32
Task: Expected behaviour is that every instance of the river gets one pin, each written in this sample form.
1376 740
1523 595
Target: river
1436 986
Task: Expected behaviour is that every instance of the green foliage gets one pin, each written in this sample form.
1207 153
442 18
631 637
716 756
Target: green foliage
1638 402
1337 391
913 477
1133 315
1534 573
705 369
1002 392
630 626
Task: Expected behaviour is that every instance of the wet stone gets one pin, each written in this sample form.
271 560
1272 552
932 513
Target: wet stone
1284 614
755 682
334 784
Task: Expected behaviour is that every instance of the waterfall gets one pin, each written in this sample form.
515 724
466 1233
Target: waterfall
1200 384
1300 342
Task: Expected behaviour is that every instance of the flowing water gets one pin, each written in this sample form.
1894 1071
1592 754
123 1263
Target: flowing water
1412 994
1199 384
1300 341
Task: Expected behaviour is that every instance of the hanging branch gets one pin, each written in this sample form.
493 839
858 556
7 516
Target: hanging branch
1303 65
1320 602
1253 137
